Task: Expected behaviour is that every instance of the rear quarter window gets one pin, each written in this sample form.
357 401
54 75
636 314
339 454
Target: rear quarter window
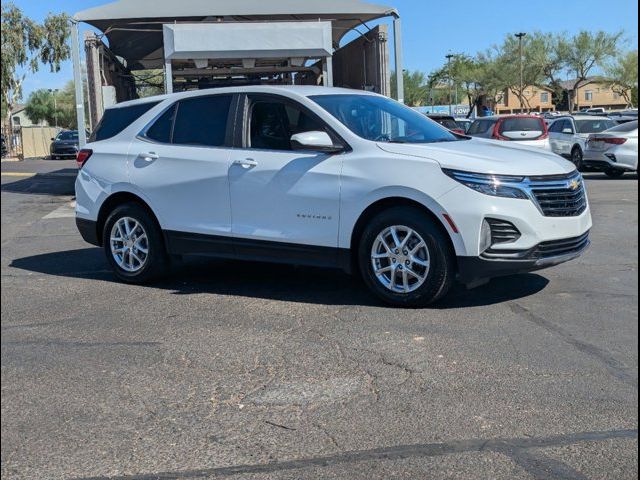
115 120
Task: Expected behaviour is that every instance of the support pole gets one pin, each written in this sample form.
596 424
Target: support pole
329 72
77 80
168 76
397 43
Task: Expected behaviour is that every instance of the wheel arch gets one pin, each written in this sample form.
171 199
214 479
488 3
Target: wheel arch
113 201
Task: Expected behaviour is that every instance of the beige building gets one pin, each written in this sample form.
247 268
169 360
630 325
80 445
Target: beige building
536 99
594 92
19 118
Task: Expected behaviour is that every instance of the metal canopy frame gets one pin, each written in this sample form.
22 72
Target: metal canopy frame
127 24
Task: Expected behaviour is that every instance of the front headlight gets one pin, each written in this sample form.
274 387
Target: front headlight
494 185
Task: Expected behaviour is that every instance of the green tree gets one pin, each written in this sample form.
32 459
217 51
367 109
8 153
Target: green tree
622 76
415 88
56 108
586 51
26 45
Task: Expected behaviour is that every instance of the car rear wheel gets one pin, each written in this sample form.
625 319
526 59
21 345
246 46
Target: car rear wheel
405 259
576 157
614 172
133 244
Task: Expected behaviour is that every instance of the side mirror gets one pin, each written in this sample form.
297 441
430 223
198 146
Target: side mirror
568 130
315 141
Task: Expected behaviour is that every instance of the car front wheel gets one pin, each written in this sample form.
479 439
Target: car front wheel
133 244
576 157
405 258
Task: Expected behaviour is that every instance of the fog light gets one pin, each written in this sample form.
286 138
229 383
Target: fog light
485 236
611 157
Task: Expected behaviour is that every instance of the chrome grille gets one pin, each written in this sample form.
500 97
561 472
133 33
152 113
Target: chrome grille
559 196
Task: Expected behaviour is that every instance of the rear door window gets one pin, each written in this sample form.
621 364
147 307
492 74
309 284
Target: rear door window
202 121
115 120
521 128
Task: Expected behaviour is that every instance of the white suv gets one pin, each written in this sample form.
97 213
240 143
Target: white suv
322 177
568 135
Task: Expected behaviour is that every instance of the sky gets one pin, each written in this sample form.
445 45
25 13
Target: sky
430 28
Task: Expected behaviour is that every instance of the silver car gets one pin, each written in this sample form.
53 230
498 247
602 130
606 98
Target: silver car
614 151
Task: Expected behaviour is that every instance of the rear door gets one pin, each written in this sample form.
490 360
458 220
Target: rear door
180 162
279 195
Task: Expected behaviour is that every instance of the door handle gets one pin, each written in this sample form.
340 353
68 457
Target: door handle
246 163
149 156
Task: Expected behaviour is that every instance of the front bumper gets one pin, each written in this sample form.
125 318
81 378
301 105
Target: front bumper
496 263
64 151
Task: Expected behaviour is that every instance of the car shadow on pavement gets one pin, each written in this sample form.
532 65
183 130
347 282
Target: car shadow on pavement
58 182
270 281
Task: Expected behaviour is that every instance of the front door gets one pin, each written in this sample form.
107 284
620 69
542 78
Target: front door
282 200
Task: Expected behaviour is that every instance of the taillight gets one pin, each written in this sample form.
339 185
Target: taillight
459 131
83 156
496 132
610 140
545 129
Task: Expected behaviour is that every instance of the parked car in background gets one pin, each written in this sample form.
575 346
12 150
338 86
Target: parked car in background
464 123
527 130
624 116
447 121
322 177
568 135
64 145
614 151
593 111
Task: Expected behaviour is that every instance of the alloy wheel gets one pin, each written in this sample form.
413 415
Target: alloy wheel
400 259
129 244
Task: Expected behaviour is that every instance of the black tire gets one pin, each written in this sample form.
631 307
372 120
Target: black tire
442 260
614 173
576 157
156 263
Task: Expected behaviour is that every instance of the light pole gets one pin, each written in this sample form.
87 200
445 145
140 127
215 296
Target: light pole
520 36
449 57
54 91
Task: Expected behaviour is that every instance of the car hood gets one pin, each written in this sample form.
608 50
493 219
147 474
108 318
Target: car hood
485 156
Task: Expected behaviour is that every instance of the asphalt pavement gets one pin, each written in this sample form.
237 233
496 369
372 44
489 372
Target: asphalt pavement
253 371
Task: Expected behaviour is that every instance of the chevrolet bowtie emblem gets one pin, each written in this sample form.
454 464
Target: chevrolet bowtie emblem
574 185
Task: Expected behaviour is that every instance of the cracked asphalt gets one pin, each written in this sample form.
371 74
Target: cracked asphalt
254 371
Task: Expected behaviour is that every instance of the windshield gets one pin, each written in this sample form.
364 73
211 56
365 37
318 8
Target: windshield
594 126
381 119
67 136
